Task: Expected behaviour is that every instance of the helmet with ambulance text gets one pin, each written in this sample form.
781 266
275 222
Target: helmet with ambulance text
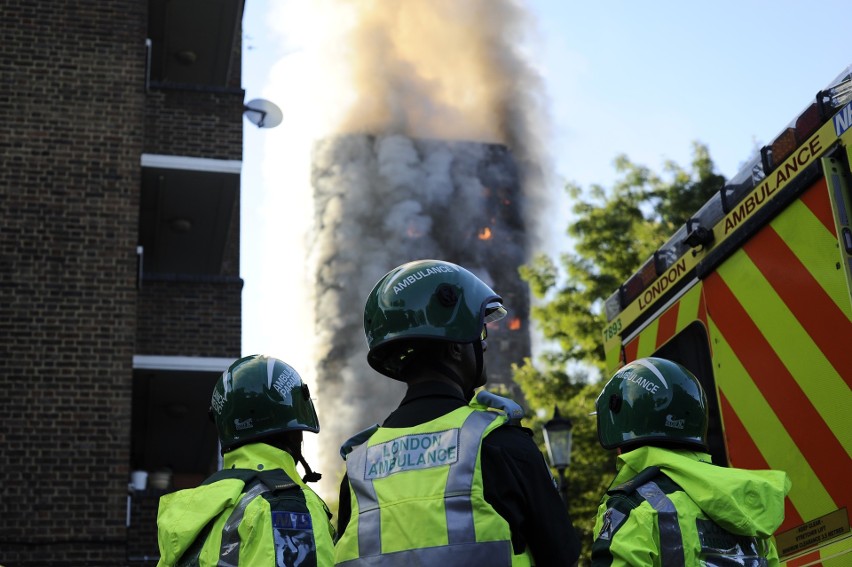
652 401
425 300
257 397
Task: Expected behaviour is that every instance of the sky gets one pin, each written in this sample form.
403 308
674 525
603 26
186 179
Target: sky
645 79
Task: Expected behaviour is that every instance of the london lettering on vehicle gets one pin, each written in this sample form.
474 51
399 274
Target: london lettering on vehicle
800 159
419 275
662 283
410 452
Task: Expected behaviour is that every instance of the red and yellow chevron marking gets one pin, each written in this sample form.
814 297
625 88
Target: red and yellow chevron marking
779 319
688 309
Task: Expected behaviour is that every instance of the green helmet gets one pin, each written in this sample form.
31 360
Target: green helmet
257 397
652 401
425 299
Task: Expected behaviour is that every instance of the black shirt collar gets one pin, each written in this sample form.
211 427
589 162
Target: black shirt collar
430 390
424 402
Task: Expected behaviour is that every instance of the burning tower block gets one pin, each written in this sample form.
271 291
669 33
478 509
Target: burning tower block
381 201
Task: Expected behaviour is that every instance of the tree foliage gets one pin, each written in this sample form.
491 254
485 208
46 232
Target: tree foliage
614 230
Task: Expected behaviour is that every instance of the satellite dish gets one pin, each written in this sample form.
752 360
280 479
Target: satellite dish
262 113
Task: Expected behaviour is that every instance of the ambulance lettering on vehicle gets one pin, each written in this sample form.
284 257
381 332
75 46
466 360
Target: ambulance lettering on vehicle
761 312
794 164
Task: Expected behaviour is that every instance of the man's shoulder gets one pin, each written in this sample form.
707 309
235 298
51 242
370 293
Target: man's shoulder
509 431
512 440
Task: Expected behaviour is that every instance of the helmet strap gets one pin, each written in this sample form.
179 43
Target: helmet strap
294 447
481 378
310 476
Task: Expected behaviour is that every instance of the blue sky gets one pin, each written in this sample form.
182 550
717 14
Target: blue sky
648 78
644 79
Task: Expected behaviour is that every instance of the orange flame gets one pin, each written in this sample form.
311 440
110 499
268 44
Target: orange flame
485 234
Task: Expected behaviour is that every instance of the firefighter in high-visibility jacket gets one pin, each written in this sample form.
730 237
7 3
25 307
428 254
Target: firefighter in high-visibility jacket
257 510
449 478
668 504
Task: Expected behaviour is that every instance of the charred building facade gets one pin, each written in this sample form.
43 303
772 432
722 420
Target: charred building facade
120 292
381 201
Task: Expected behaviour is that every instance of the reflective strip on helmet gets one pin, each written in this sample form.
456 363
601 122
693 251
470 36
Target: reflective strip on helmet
489 553
671 540
647 364
270 372
457 503
229 552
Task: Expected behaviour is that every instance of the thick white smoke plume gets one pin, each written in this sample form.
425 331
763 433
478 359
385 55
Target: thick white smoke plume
432 137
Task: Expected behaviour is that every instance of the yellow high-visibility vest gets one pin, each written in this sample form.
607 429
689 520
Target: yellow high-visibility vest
417 496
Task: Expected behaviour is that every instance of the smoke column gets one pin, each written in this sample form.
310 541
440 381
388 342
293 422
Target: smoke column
431 152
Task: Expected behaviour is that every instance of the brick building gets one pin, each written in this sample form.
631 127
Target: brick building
120 293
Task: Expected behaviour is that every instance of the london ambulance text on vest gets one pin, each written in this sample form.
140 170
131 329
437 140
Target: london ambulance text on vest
411 452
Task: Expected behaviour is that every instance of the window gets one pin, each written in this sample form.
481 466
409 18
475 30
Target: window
171 430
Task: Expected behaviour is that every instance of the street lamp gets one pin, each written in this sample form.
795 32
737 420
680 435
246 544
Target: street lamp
557 440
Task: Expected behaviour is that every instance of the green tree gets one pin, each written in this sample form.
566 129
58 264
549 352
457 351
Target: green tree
614 230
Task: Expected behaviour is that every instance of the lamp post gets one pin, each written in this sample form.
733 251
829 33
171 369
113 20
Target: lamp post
557 440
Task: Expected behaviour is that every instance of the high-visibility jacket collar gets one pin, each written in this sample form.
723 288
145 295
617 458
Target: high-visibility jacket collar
260 456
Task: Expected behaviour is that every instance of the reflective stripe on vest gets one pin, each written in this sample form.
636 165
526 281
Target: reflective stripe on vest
671 539
471 554
461 533
229 552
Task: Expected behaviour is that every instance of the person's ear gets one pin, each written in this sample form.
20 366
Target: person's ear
455 351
